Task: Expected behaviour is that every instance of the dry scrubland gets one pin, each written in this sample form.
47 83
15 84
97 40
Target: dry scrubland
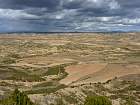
64 68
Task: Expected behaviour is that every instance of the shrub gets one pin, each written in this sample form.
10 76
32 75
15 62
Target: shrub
55 70
17 98
8 61
97 100
46 90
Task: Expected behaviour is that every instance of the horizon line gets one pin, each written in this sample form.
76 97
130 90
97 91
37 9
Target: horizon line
30 32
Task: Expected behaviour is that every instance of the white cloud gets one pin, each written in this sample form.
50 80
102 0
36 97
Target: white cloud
114 5
128 21
93 3
15 14
26 14
66 13
132 21
105 19
105 23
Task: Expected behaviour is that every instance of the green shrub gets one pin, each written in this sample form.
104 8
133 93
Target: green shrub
8 60
13 55
46 90
17 98
22 76
97 100
45 84
55 70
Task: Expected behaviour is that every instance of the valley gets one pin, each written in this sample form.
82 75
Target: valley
68 67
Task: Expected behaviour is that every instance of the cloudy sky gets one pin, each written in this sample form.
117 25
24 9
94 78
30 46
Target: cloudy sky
69 15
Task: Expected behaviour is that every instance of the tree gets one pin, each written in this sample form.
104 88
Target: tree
17 98
97 100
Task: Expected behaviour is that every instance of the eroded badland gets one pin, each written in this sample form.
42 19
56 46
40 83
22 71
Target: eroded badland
67 67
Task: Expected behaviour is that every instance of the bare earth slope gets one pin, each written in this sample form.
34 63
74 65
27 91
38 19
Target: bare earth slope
98 72
78 71
109 72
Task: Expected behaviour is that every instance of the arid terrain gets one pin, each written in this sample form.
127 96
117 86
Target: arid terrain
67 67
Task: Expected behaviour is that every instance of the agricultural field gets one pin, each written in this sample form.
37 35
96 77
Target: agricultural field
65 68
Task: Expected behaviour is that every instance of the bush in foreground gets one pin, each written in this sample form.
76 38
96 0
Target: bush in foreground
17 98
97 100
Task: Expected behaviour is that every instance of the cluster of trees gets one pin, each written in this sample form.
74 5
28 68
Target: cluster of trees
17 98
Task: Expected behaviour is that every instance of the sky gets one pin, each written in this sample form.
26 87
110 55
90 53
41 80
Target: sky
69 15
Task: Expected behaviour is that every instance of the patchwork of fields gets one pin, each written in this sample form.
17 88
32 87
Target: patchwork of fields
71 66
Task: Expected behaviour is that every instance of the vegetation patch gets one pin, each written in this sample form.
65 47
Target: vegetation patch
45 84
17 98
55 70
46 90
97 100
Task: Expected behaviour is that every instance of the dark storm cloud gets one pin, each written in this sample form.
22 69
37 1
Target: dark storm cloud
21 4
129 3
69 15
